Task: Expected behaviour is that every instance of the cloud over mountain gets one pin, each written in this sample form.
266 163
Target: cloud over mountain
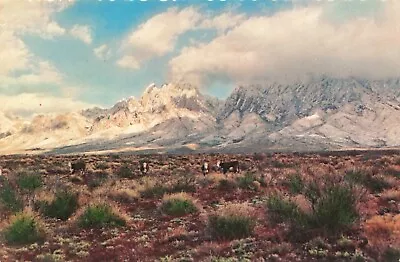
293 43
157 36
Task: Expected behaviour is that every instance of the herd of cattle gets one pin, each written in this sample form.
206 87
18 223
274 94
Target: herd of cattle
144 167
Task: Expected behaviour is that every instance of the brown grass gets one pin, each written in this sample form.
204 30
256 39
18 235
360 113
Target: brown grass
383 231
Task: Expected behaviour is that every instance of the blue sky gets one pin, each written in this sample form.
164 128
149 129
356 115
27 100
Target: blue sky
87 52
112 21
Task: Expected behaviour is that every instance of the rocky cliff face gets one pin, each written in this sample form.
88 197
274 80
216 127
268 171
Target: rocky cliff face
345 112
319 112
281 104
157 104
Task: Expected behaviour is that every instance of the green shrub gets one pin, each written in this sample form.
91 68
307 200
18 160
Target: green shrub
296 184
101 165
98 216
29 181
154 191
231 222
124 172
8 197
178 205
23 230
247 181
313 192
373 183
335 209
281 210
62 207
230 227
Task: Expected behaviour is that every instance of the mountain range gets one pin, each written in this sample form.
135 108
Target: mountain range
320 113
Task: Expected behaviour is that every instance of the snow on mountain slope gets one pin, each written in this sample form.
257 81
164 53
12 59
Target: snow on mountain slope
47 131
170 111
281 104
9 124
156 106
317 113
374 125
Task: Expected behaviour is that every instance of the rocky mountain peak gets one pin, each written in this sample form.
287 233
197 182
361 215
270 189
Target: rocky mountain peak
284 103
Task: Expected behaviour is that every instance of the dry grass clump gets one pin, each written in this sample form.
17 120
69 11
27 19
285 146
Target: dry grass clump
99 213
44 196
383 233
23 228
10 201
226 185
124 195
124 191
232 221
62 206
303 204
330 209
374 183
215 177
125 171
381 230
29 181
150 187
178 204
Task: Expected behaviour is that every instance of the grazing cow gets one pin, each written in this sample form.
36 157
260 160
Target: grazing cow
228 166
204 168
77 166
144 167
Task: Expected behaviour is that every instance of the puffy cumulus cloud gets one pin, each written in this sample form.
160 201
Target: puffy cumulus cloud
296 42
28 104
41 72
17 18
102 52
32 16
14 54
82 32
222 22
129 61
157 36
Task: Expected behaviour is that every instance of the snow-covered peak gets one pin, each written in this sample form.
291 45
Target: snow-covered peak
170 90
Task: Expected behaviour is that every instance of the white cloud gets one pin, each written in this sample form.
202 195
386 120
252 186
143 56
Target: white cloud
102 52
29 104
296 42
82 32
31 16
157 36
129 61
223 22
35 71
17 18
14 54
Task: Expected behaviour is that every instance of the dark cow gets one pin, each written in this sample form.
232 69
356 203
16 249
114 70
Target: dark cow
144 167
228 166
77 166
204 168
